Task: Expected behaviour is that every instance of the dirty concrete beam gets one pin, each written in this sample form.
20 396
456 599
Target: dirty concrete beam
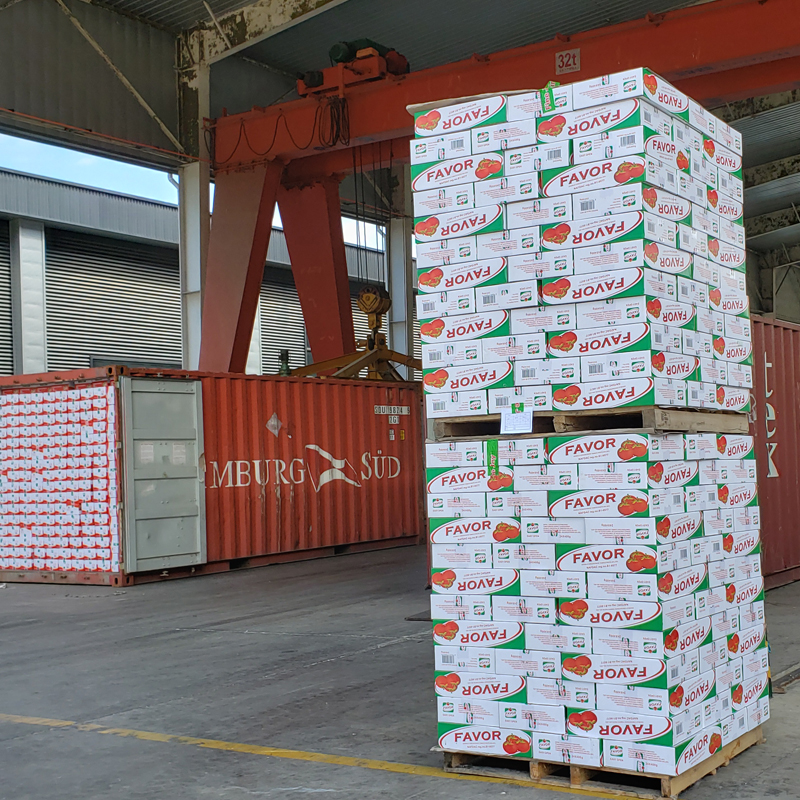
774 221
773 171
229 33
780 257
741 109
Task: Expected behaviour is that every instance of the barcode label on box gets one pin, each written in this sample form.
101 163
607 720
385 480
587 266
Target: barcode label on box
588 205
489 299
502 401
448 658
439 405
595 368
435 355
430 306
528 372
627 141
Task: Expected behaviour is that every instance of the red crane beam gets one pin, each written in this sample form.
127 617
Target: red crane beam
716 51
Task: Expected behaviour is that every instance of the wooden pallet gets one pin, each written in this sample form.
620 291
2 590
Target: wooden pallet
604 780
649 418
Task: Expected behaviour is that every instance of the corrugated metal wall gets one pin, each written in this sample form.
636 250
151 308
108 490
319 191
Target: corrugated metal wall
331 476
111 301
6 331
776 373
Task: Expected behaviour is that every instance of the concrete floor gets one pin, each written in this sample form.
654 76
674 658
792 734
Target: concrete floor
314 656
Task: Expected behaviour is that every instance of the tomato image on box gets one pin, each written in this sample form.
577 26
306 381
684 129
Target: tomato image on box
632 83
464 222
460 529
629 614
680 582
479 633
462 480
679 527
607 558
622 725
475 581
463 685
463 276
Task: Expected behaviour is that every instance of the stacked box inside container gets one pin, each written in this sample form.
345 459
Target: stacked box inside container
581 247
597 598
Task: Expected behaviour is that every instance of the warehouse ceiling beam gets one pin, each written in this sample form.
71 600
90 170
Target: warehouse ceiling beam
705 49
95 45
772 222
773 171
230 33
749 107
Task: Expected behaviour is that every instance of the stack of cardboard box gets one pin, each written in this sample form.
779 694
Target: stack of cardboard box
597 598
580 247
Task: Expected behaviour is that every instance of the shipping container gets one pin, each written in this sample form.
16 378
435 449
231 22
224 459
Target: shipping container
119 475
776 427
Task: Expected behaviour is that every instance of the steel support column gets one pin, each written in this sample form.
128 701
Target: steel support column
29 327
400 267
193 205
312 222
244 203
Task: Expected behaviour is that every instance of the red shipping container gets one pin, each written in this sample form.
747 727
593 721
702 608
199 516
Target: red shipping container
776 426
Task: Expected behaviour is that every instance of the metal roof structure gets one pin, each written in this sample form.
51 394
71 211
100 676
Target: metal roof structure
135 78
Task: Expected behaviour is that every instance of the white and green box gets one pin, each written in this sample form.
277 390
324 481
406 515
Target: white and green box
450 198
544 264
456 404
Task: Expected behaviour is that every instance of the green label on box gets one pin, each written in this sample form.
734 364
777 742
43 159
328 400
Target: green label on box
463 276
498 375
604 394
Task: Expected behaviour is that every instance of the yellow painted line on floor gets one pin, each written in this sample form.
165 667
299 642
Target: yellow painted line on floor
296 755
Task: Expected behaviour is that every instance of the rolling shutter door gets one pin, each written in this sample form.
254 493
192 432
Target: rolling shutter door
281 322
111 301
6 330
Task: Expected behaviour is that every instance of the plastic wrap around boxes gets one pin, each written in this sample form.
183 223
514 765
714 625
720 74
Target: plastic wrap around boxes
584 258
597 598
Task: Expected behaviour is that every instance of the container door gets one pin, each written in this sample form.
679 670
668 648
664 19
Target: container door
164 503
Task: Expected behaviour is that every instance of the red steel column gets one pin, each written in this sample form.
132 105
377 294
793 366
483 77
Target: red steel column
244 203
312 222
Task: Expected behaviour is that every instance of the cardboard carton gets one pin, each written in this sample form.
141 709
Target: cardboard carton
519 294
710 321
523 105
552 583
456 171
467 659
458 582
485 740
730 185
542 318
532 718
747 518
447 251
737 327
457 505
461 480
609 669
750 691
704 220
697 343
549 692
625 726
436 120
605 174
530 397
445 556
508 242
517 504
674 366
544 211
439 148
607 558
524 556
467 712
524 609
454 454
681 582
567 749
462 276
472 326
747 641
617 475
514 348
525 160
701 498
444 304
471 377
726 254
621 531
537 373
478 633
621 586
594 287
503 136
474 531
461 607
453 354
563 638
668 474
547 264
448 198
522 451
628 84
461 222
456 404
636 140
745 592
666 447
563 477
604 394
606 340
719 521
593 448
623 614
544 530
528 663
729 293
602 503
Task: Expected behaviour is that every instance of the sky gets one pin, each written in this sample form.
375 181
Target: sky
73 166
